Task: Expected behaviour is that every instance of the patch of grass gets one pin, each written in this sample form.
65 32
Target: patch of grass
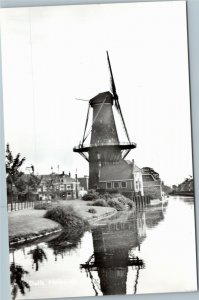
66 216
28 223
99 202
43 205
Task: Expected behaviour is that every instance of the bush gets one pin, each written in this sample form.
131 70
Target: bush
127 194
92 211
125 201
113 191
66 216
44 205
115 204
100 202
101 191
90 197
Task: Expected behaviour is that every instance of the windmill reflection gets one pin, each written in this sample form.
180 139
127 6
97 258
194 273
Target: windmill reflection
114 246
113 256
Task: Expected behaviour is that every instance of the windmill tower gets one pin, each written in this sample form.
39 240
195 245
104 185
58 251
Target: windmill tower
105 147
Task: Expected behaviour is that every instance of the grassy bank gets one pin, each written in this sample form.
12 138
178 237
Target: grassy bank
30 223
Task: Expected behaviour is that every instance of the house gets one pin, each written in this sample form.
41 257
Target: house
59 186
185 188
83 181
124 176
152 183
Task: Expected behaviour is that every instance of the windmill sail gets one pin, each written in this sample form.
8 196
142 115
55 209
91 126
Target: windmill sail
116 98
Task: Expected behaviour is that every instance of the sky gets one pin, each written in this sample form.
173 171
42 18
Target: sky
53 55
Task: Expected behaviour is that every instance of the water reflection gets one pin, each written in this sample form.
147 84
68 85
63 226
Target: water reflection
17 280
65 242
38 256
119 255
155 214
187 200
113 245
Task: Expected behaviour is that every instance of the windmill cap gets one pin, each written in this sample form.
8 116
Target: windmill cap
105 97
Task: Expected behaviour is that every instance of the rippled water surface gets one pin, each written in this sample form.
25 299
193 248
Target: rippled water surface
150 251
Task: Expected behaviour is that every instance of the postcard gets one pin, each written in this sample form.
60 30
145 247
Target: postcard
100 185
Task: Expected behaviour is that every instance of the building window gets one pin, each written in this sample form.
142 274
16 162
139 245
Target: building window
68 187
108 185
116 184
68 194
124 184
62 188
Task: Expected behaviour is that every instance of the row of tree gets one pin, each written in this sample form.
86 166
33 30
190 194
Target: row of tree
19 184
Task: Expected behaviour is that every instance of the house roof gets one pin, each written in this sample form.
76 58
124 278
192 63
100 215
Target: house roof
56 178
120 171
136 169
148 170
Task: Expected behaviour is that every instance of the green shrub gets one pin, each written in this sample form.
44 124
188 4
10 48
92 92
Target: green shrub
92 211
115 204
127 194
43 205
66 216
113 191
90 197
100 202
125 201
101 191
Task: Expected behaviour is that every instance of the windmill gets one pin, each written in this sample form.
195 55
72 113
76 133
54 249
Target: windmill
105 147
113 257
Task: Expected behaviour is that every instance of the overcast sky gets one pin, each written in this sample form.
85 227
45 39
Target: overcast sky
52 55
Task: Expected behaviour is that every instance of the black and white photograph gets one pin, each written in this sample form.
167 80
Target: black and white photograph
98 155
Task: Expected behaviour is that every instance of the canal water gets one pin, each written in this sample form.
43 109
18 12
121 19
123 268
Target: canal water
149 251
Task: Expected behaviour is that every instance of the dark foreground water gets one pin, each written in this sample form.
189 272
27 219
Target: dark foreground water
150 251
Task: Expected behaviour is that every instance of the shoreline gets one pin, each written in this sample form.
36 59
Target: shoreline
32 218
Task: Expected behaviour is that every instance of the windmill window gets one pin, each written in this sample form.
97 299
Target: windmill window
137 185
124 184
108 185
116 184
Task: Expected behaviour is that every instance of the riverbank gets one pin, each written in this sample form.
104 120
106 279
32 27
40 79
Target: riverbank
29 224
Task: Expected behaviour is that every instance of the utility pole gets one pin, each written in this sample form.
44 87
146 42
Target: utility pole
76 184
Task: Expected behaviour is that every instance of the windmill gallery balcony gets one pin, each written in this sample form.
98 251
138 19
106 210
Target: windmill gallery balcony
120 145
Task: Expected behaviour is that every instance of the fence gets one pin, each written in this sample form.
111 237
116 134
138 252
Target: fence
141 200
20 205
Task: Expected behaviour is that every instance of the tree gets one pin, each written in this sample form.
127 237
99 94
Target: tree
27 183
13 165
16 278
